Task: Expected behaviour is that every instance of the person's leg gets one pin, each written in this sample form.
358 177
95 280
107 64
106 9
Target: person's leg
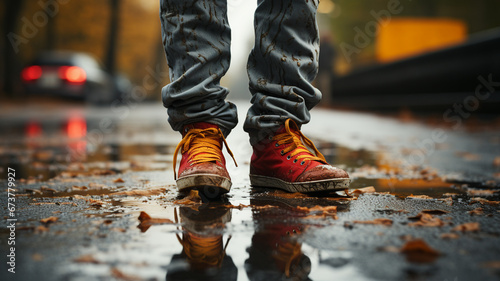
282 65
196 37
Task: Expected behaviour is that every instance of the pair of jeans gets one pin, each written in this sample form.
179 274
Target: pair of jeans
281 66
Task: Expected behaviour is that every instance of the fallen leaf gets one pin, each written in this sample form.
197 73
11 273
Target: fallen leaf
86 259
141 192
264 207
94 185
92 202
47 189
391 211
120 275
41 228
283 194
477 211
103 172
147 221
42 203
448 201
483 201
449 236
68 175
382 221
192 198
239 207
427 220
32 191
481 192
368 189
323 209
435 212
49 220
76 187
469 227
95 202
317 208
320 216
419 251
419 197
341 198
118 180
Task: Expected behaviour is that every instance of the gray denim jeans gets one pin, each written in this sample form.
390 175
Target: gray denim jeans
284 60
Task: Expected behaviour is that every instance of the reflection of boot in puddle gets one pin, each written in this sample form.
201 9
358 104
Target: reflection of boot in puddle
203 255
276 255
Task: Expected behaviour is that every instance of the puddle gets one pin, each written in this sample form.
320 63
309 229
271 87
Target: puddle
252 234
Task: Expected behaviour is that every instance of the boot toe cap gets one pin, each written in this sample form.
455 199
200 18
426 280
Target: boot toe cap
322 172
208 168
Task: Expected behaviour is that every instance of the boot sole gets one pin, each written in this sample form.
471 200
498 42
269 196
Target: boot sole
303 187
204 180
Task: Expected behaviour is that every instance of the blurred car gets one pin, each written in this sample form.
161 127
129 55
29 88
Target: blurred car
72 75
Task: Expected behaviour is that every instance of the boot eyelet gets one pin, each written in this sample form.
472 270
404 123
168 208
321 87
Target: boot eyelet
288 157
282 153
270 138
276 145
295 160
302 163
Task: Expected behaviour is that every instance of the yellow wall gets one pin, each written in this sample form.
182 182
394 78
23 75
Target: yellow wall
404 37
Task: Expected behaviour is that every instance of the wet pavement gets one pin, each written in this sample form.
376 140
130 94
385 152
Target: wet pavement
95 199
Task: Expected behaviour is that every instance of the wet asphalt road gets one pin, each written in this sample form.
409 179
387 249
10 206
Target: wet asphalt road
84 175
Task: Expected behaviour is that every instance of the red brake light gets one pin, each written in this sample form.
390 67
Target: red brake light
77 127
31 73
33 129
73 74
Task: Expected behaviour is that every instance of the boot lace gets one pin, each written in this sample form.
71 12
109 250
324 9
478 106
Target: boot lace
204 146
294 137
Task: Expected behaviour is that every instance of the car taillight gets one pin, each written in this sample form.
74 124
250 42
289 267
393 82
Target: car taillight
31 73
73 74
33 129
76 127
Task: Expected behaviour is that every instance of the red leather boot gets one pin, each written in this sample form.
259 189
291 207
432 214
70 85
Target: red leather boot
283 161
202 164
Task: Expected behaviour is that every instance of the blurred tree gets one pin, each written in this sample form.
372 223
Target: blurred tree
112 36
12 10
123 35
50 34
